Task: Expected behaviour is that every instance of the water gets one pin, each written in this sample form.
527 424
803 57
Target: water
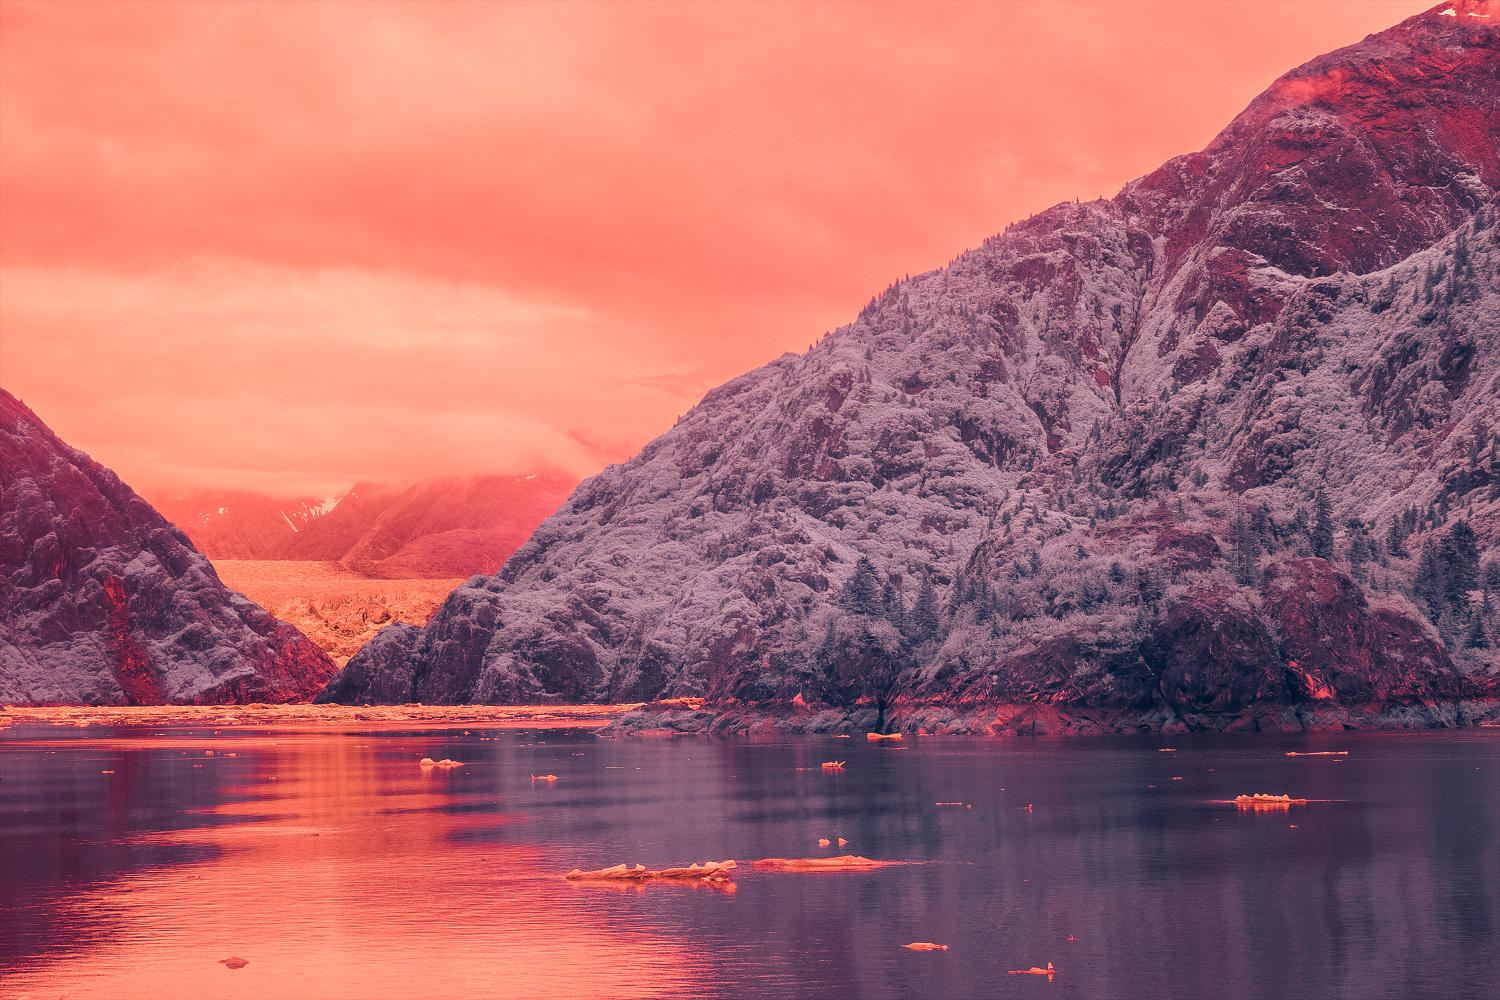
339 868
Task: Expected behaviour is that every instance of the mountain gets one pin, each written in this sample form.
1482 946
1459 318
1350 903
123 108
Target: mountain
104 602
451 527
1218 452
238 524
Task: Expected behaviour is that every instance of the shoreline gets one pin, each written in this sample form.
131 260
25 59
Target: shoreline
372 717
1040 719
696 717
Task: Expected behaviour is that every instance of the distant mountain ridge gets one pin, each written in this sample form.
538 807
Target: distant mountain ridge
1218 452
104 602
446 527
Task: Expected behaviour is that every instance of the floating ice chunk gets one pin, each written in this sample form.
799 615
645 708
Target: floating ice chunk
877 737
708 871
1049 972
445 762
845 863
1261 801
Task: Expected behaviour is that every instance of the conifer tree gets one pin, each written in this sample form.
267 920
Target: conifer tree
924 614
1322 529
861 595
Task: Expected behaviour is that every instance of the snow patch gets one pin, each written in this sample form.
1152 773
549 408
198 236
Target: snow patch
288 521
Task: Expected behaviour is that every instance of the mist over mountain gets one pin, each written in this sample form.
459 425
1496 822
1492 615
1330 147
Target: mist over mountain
1218 452
104 602
446 527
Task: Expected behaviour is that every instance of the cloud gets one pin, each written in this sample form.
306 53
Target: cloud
254 372
507 210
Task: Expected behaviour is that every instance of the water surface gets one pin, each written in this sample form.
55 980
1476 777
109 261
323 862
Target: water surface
134 860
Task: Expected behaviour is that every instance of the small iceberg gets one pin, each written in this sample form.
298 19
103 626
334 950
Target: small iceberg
709 871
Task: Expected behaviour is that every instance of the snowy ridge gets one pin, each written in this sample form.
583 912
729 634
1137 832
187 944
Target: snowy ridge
1081 465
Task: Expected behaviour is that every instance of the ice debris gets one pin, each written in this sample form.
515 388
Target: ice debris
445 762
1049 971
709 871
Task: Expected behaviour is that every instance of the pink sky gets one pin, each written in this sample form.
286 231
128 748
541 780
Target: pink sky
286 246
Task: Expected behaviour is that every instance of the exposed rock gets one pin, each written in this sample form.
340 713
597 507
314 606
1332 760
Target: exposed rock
1363 654
1215 656
102 602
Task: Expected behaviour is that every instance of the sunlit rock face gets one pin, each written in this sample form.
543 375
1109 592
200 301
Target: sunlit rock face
1083 460
103 602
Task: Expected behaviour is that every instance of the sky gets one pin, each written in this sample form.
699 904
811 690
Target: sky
290 246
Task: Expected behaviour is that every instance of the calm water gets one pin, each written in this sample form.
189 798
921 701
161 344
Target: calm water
338 868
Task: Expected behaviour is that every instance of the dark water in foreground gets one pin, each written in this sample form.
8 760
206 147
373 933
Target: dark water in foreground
338 868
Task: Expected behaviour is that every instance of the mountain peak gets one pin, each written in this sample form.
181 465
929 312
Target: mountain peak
1480 9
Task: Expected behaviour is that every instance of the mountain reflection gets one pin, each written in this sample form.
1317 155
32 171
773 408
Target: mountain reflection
338 867
330 864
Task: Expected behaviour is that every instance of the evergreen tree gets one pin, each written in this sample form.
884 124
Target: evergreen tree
1476 638
894 606
1395 539
924 614
1428 585
861 595
1322 529
1460 553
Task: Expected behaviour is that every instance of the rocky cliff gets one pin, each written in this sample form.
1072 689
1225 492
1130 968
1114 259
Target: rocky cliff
103 602
1218 452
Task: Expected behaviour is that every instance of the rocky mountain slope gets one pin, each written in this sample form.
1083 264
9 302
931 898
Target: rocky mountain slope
104 602
1218 452
436 528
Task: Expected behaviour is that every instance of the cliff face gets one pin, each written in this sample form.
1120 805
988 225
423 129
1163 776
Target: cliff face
103 602
1219 449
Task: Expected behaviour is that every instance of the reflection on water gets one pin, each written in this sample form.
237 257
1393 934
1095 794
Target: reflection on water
338 867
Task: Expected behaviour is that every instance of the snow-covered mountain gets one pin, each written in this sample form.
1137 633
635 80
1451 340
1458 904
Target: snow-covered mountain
239 524
449 527
1220 451
104 602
